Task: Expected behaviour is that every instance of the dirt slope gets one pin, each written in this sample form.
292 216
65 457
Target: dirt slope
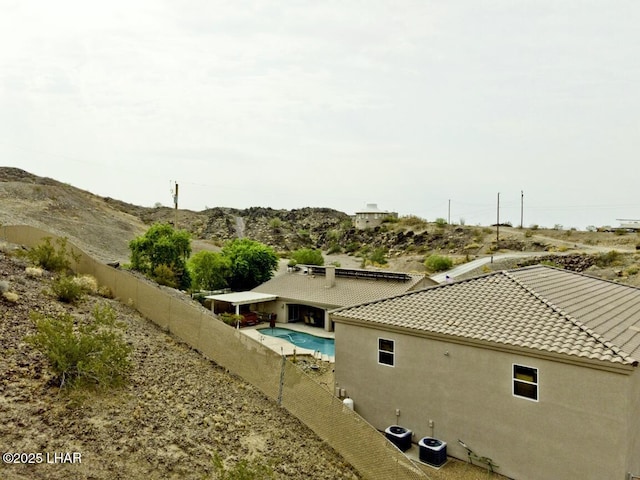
176 413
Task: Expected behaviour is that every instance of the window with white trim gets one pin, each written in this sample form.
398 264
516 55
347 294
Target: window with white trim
386 351
525 382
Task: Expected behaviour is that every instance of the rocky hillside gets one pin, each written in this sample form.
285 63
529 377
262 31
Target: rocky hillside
104 226
176 412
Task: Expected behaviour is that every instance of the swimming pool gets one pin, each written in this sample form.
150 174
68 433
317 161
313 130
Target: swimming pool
326 346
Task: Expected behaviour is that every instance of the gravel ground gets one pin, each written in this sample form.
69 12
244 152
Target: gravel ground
177 411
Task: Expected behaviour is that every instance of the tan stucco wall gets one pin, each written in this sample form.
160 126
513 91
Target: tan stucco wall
634 427
577 429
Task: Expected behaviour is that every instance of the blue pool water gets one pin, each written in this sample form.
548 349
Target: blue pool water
303 340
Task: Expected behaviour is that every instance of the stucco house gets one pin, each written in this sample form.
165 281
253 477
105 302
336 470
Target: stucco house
307 293
535 368
372 216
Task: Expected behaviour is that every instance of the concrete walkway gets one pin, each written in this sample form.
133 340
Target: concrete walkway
478 262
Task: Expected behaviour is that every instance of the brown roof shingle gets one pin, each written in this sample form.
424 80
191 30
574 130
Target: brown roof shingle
537 307
345 291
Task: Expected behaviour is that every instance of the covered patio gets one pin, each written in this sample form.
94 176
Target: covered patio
241 303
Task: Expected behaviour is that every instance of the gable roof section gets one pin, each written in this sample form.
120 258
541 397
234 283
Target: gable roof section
609 309
537 307
345 291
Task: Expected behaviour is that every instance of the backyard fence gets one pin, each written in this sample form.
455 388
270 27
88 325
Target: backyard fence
360 444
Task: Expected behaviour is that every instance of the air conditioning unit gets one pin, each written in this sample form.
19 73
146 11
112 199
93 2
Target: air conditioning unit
399 436
432 451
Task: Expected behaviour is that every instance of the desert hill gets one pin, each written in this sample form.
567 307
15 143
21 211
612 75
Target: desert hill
179 409
103 226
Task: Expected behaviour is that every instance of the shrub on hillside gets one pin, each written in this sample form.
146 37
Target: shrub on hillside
378 256
242 470
50 257
334 247
351 247
275 224
413 221
165 275
161 248
441 222
34 272
608 259
66 289
12 297
89 353
438 263
307 256
87 283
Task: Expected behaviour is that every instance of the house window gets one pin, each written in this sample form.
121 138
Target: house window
386 351
525 382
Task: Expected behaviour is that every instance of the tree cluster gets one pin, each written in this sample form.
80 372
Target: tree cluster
163 254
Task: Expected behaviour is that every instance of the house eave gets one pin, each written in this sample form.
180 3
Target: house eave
626 368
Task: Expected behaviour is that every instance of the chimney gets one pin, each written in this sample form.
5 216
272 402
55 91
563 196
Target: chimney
330 276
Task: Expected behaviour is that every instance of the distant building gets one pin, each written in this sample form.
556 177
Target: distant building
630 225
372 216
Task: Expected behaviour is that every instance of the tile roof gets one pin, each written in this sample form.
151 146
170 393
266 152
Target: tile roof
538 307
345 291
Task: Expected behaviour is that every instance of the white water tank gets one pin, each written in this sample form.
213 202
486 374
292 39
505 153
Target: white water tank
347 402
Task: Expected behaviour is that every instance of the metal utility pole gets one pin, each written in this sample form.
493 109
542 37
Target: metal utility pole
498 224
175 203
521 209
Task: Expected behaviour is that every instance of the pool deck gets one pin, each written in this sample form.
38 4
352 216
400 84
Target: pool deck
282 346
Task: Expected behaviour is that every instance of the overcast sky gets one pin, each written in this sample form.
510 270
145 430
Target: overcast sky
413 105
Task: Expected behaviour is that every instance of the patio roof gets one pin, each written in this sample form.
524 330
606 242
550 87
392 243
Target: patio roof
242 298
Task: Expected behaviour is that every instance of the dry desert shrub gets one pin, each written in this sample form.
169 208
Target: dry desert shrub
87 283
34 272
11 296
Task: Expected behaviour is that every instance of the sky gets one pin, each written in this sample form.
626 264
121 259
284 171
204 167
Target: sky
428 108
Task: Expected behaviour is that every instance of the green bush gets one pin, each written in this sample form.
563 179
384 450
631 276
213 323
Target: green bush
351 247
165 275
307 256
230 318
162 246
242 470
334 247
413 221
608 259
50 257
275 224
251 263
67 289
378 256
83 353
441 222
209 270
438 263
